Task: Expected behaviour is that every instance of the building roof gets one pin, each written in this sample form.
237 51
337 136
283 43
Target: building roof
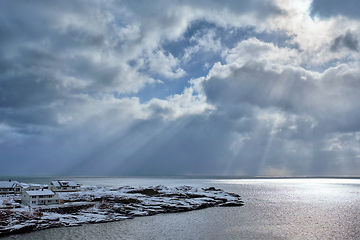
40 192
64 183
27 185
8 184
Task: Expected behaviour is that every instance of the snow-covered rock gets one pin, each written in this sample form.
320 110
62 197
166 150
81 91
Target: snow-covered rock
101 204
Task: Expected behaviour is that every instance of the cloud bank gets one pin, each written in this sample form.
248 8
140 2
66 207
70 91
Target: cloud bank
179 88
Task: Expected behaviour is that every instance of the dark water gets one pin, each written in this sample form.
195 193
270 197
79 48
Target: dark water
274 209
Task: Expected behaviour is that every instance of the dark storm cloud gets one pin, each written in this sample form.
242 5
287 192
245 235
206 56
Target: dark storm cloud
45 60
333 8
346 40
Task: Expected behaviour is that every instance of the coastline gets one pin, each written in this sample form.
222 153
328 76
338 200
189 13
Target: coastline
106 204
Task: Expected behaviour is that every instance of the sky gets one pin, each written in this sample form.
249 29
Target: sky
207 88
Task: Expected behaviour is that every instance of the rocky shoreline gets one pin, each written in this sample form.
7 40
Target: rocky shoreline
101 204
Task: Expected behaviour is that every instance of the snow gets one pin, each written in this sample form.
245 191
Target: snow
64 183
103 204
8 184
40 192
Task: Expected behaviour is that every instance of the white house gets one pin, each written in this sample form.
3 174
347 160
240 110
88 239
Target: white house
30 187
7 187
39 197
63 186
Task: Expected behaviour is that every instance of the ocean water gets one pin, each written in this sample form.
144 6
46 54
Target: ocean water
303 208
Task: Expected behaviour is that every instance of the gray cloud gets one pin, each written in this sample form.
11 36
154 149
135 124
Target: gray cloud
333 97
266 122
53 51
288 120
330 8
346 40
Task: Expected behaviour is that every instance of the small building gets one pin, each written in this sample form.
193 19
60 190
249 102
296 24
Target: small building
63 186
31 187
39 197
10 187
8 205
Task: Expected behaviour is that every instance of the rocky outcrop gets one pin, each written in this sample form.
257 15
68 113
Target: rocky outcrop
98 204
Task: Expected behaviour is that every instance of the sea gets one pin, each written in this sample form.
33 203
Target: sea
274 208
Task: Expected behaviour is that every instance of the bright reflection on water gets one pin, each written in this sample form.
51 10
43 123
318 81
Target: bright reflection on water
274 209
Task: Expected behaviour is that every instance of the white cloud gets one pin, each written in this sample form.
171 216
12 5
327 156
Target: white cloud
203 42
313 36
178 105
165 65
255 50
